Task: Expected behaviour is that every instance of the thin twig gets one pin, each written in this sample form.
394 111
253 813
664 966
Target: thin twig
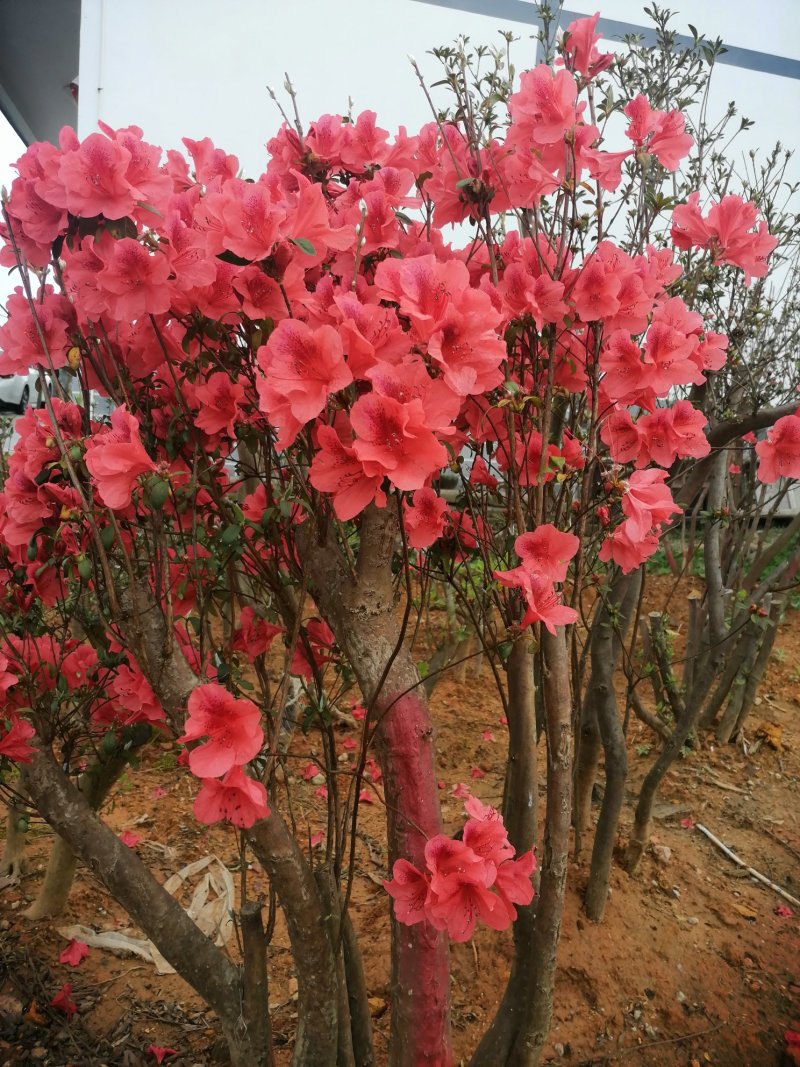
664 1041
751 870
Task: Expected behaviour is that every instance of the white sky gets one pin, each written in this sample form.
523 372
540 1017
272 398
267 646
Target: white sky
11 148
361 52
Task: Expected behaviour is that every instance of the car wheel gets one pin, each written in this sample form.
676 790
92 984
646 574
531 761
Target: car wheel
23 400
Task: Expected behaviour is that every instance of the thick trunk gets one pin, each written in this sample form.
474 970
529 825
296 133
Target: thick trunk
13 861
589 745
173 681
519 814
289 874
255 981
608 636
95 784
361 611
555 853
333 910
196 959
519 1031
358 997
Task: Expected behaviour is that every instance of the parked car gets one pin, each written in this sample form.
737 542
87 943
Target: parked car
17 390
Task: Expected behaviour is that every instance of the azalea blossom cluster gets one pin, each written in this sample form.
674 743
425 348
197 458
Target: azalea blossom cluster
231 736
320 319
477 878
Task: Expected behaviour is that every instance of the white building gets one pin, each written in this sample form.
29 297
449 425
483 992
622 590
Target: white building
200 68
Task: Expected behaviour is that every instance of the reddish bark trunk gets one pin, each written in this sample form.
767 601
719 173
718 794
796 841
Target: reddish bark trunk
193 955
361 610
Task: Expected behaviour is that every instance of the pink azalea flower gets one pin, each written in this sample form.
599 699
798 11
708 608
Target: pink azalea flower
254 634
476 772
308 223
116 459
7 677
133 699
727 232
251 219
63 1001
513 883
606 167
232 727
409 889
545 106
160 1052
779 455
235 798
130 839
335 469
393 440
133 281
543 603
661 133
622 435
20 338
74 953
15 743
301 368
424 521
647 502
547 551
580 48
93 175
626 551
219 399
479 475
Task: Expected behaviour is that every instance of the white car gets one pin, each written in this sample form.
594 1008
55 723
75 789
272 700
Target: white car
18 390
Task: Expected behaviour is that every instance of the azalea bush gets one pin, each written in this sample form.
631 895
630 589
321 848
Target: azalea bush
238 552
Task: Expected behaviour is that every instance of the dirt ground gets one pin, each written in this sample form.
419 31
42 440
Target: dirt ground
693 964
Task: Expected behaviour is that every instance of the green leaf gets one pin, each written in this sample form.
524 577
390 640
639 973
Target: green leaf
231 534
304 245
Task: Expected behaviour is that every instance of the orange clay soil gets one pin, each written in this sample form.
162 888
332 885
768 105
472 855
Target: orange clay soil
691 965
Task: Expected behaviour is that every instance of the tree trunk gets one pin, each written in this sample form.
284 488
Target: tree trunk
528 1005
255 980
608 635
193 955
360 1019
95 784
361 611
519 814
13 861
289 874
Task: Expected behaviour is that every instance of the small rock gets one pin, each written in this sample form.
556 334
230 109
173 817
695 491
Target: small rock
10 1008
680 997
558 1049
292 987
663 854
38 1053
693 920
377 1006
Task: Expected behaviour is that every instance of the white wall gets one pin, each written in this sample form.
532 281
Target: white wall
199 67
